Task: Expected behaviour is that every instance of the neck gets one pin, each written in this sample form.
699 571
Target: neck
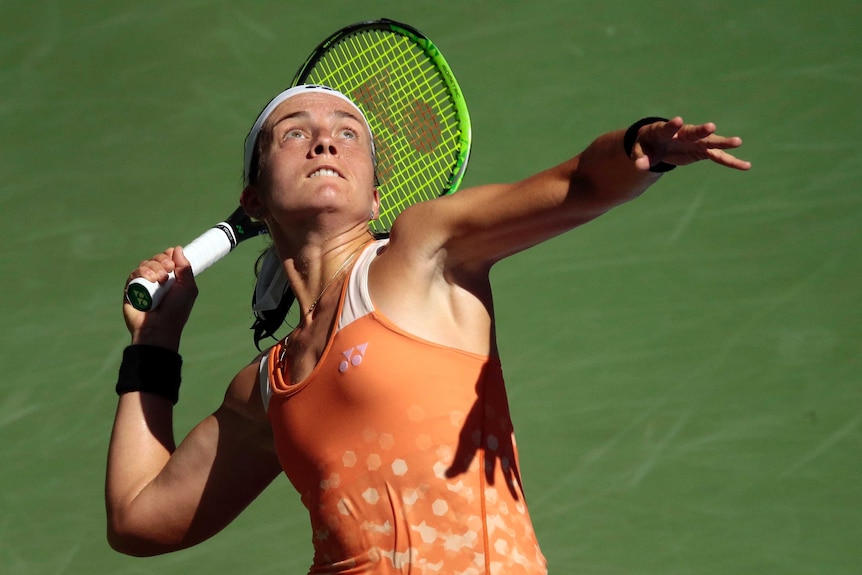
317 266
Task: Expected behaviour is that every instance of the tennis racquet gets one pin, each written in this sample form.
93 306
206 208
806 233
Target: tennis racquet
416 111
202 252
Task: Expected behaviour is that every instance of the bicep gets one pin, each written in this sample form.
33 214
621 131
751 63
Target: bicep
239 460
225 462
215 472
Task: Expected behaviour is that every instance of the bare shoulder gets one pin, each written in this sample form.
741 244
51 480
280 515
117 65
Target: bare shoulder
460 231
243 394
419 286
423 234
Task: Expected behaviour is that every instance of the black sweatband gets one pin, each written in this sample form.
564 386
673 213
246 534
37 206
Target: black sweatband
631 136
150 369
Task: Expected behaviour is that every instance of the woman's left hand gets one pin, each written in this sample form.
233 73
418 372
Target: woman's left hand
675 142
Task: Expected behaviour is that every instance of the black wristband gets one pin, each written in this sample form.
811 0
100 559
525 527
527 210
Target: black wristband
631 136
150 369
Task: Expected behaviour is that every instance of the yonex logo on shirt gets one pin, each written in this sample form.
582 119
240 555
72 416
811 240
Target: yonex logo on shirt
353 357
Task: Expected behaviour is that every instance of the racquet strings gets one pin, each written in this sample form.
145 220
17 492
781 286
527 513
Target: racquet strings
409 107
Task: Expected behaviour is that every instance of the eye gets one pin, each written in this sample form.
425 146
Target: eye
348 133
293 134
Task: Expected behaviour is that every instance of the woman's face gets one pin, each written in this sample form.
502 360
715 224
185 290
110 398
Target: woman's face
316 154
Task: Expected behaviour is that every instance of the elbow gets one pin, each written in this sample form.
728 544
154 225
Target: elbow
120 534
123 545
128 544
124 538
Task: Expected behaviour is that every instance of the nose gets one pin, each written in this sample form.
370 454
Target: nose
324 145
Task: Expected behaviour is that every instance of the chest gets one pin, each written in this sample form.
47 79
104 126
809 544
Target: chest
306 345
374 380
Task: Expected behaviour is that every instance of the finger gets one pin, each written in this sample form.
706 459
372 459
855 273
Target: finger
695 132
729 160
150 270
642 162
183 268
179 257
671 128
156 268
653 139
640 157
181 298
724 143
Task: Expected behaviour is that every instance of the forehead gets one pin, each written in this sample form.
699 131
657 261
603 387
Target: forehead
313 104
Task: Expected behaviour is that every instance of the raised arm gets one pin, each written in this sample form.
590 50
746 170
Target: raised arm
160 497
479 226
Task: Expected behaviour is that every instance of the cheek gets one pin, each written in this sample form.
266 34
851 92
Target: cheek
276 167
365 161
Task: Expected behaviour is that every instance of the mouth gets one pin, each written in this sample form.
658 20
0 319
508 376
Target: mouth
325 173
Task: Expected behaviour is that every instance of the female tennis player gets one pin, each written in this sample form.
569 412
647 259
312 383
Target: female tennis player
385 406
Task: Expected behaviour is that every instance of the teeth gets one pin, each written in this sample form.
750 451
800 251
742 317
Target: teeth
324 172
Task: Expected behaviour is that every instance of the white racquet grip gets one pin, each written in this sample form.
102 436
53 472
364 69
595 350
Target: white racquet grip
204 251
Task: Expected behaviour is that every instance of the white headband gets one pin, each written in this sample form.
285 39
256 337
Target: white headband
251 138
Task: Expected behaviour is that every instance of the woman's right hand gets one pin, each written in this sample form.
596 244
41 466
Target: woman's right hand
163 326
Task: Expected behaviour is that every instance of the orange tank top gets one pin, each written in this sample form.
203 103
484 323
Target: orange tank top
402 451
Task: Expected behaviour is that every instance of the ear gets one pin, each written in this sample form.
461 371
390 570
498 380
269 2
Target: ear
249 199
375 204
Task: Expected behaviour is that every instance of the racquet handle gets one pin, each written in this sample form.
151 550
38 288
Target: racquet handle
204 251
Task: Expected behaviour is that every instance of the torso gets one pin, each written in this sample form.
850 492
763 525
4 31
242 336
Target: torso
402 450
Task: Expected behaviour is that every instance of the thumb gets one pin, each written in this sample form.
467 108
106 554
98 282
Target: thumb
182 266
185 288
